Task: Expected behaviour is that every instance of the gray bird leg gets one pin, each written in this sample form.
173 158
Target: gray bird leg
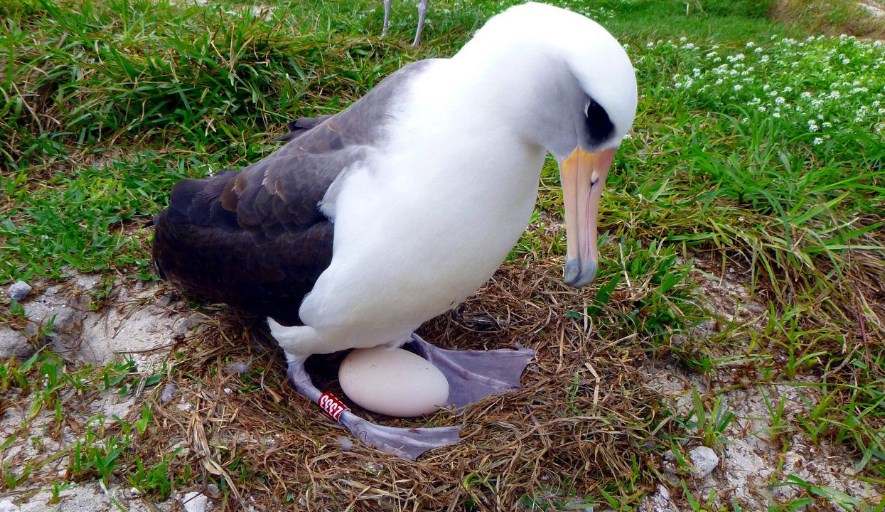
475 374
386 18
422 13
408 443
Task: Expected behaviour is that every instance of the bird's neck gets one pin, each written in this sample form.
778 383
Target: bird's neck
519 86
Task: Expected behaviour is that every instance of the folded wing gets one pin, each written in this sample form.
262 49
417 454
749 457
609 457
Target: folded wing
256 238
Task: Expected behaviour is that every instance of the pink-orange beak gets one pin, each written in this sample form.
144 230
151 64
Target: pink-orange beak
583 175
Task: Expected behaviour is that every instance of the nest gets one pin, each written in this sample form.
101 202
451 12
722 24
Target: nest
581 418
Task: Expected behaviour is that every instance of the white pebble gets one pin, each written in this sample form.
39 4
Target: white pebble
168 392
195 502
19 291
704 460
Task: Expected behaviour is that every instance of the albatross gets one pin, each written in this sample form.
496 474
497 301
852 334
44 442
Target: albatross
368 223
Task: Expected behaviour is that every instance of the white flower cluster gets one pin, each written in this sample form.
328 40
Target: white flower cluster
821 86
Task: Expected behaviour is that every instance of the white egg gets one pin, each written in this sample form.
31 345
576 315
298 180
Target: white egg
393 381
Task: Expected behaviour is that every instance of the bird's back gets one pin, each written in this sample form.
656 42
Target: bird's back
256 238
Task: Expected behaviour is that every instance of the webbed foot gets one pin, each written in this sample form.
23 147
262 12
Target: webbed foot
475 374
408 443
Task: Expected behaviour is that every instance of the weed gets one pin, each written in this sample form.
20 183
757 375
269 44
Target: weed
57 489
844 501
708 426
779 425
154 480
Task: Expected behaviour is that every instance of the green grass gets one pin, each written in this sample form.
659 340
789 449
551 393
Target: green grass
104 105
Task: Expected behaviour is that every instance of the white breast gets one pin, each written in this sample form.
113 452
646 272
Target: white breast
422 227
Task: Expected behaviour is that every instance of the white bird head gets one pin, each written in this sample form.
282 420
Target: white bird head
572 90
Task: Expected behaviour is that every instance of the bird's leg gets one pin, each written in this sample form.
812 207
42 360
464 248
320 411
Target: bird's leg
408 443
422 13
475 374
386 18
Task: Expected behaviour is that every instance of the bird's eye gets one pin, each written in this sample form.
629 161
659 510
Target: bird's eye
599 126
593 109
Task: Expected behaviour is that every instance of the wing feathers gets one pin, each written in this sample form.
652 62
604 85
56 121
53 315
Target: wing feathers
256 238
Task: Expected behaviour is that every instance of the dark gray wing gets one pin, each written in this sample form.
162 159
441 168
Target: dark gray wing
256 238
301 125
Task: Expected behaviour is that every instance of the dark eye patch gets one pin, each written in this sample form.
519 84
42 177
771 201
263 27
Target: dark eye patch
599 126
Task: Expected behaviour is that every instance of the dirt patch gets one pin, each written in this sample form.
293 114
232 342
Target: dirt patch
85 326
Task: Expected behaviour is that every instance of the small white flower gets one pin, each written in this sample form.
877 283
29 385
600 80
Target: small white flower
776 115
805 95
763 59
766 87
827 124
758 50
738 87
762 109
788 89
818 141
750 44
846 61
780 100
